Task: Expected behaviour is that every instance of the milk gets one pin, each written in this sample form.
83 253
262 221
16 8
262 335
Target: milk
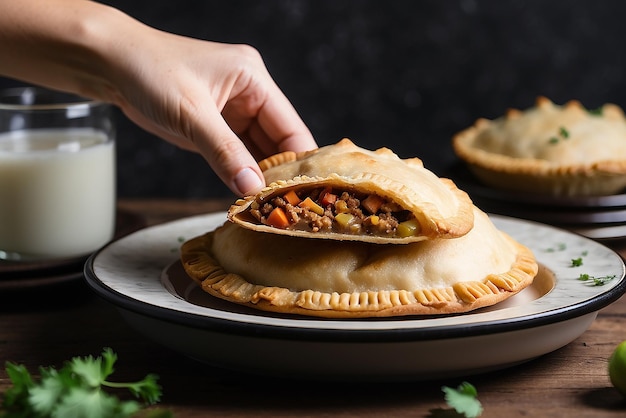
57 193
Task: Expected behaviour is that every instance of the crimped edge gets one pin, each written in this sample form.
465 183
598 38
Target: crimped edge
202 267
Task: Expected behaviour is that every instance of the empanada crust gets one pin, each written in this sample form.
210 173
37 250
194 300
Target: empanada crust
442 210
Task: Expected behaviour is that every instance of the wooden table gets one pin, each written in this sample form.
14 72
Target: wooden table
50 326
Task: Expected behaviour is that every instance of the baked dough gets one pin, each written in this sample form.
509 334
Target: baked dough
435 205
342 279
549 149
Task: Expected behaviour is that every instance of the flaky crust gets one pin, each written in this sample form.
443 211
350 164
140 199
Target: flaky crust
442 210
549 149
336 279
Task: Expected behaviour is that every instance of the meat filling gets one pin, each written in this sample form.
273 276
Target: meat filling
342 211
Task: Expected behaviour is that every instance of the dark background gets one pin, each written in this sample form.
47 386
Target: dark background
401 74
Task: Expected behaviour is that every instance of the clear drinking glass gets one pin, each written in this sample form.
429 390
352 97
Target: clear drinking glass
57 175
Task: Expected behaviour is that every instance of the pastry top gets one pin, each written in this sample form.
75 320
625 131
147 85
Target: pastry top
553 134
403 189
549 149
341 278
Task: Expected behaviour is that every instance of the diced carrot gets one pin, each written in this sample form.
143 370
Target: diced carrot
311 205
278 218
372 203
292 197
327 197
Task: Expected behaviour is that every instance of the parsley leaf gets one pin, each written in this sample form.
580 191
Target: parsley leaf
464 400
44 396
76 390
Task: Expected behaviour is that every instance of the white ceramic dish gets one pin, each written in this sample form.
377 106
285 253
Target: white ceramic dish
140 274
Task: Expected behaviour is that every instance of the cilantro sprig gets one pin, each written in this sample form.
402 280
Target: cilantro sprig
464 400
76 390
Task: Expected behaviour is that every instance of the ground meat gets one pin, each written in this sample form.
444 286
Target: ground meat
318 222
387 223
351 201
293 213
384 222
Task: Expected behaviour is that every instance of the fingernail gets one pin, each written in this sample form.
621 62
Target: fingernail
247 181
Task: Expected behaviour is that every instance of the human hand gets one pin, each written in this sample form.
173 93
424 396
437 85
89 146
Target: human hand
216 99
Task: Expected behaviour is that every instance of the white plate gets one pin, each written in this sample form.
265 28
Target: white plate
141 276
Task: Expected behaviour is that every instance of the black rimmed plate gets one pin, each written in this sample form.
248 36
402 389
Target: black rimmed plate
140 274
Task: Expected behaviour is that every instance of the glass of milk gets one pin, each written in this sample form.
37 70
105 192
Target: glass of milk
57 175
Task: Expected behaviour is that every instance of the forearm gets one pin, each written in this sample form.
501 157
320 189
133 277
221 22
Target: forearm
64 44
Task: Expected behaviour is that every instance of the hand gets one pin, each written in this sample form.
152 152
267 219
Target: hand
213 98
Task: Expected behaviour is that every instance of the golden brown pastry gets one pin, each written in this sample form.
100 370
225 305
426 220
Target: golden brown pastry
337 279
344 192
549 149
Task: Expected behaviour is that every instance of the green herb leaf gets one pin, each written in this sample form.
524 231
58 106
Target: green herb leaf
596 281
595 112
563 133
76 390
44 396
577 262
22 383
464 400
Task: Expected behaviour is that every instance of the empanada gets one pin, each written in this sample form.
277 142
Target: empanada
341 279
549 149
344 192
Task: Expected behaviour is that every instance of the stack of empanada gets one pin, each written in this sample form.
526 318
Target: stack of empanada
347 232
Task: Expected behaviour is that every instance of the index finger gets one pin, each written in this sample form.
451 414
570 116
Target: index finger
282 124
